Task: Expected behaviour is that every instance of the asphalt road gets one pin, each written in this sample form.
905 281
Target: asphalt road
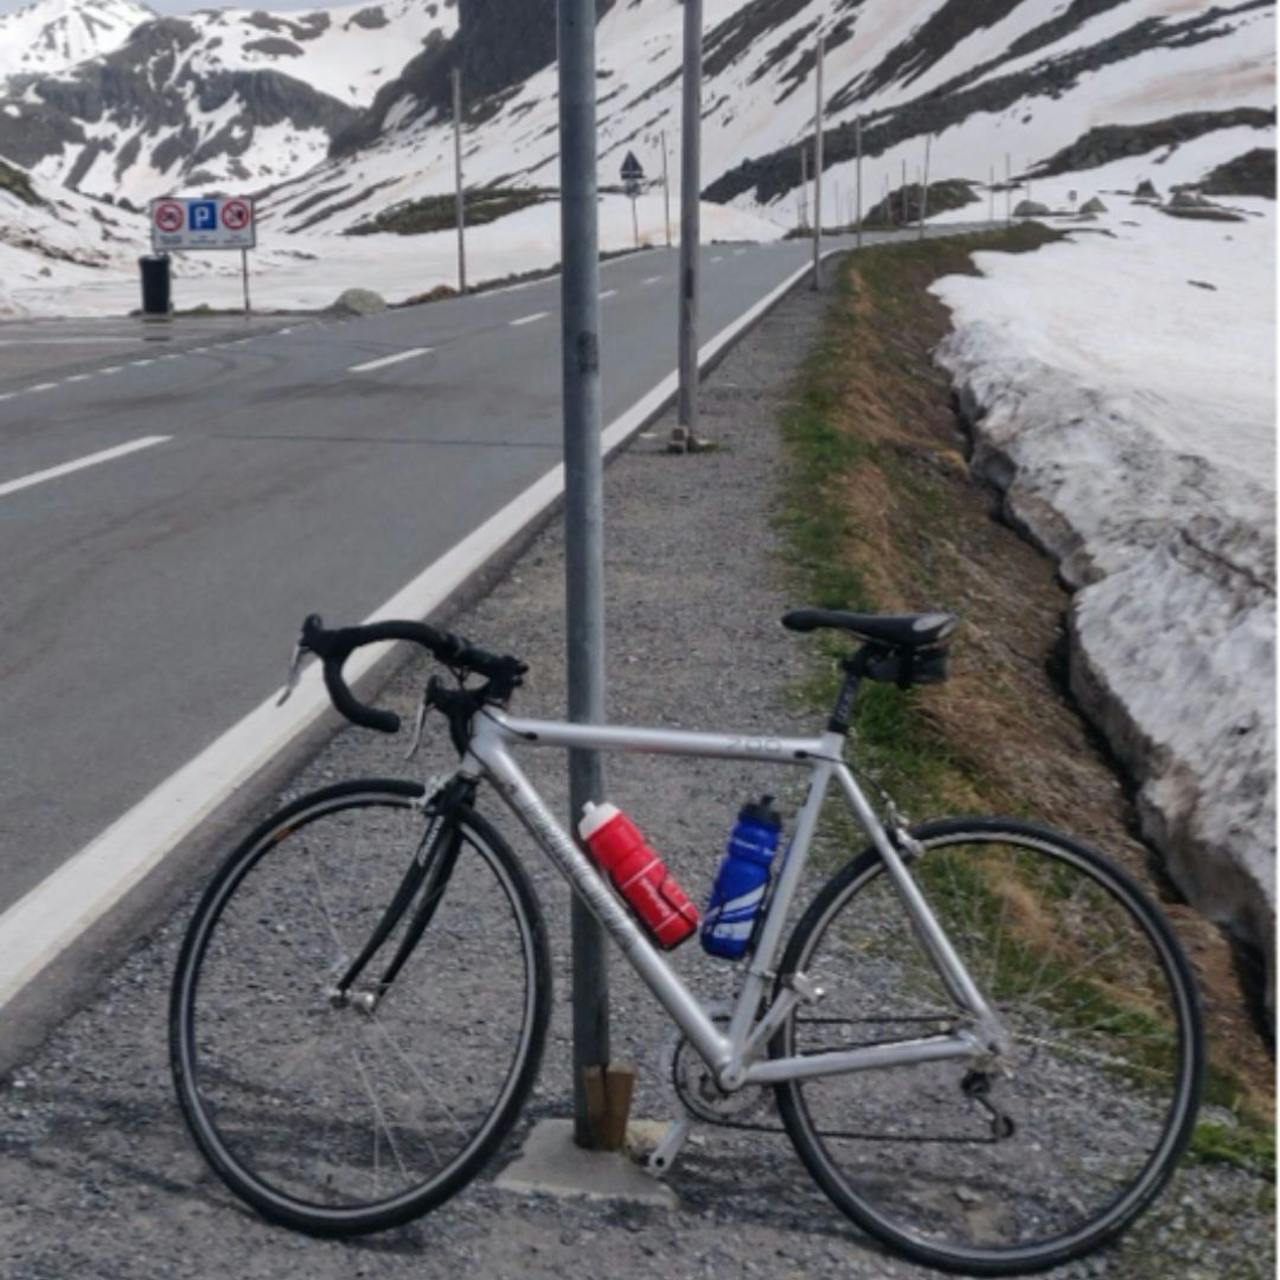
149 600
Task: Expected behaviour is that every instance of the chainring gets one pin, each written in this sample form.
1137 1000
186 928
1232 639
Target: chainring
693 1086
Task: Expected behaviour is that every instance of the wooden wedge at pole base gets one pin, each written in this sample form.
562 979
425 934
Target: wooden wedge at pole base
608 1092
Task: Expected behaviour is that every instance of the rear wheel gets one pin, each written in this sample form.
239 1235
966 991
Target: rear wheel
1021 1168
338 1116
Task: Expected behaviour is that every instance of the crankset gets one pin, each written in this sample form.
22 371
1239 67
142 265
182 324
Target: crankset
692 1085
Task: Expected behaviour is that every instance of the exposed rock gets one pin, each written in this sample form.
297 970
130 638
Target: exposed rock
1188 200
1117 142
359 302
1252 174
16 183
1147 190
947 193
1201 213
1030 209
1093 205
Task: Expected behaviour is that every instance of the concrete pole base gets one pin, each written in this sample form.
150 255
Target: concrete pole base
553 1164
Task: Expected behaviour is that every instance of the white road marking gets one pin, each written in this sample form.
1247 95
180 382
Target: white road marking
737 253
78 377
607 293
78 464
537 315
411 354
42 386
138 364
718 258
58 342
41 925
651 280
282 332
114 368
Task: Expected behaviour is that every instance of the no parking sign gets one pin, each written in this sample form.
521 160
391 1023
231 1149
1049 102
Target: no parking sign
224 222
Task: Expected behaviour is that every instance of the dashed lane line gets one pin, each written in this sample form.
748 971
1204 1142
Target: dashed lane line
537 315
607 293
381 363
651 280
78 464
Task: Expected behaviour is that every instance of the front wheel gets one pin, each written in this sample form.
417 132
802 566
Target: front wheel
336 1114
1057 1149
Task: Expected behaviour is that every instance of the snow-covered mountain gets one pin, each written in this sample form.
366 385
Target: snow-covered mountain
48 36
339 119
222 98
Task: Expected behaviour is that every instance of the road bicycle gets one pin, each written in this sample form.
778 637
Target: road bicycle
983 1041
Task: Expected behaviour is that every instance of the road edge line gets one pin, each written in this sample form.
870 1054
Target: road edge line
43 924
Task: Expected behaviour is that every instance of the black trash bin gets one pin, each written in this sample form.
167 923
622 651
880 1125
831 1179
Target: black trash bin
155 284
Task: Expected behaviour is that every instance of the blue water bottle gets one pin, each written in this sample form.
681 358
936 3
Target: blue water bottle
741 881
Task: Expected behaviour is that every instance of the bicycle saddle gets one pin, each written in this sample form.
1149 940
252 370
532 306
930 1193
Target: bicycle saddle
898 630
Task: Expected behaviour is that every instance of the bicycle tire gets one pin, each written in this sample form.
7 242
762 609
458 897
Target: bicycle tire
872 1148
250 987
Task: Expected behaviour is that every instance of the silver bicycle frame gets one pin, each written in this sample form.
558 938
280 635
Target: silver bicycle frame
735 1057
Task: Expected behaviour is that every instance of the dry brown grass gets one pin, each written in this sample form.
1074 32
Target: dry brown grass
921 533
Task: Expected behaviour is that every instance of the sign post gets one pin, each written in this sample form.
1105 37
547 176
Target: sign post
632 177
684 435
583 520
220 222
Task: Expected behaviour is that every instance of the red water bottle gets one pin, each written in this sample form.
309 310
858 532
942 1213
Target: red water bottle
638 874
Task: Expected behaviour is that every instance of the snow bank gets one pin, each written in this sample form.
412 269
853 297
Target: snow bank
1127 411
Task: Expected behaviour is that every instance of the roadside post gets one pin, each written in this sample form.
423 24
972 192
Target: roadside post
857 142
584 525
666 191
904 192
804 186
924 186
181 223
684 435
1008 191
817 175
632 177
991 191
459 206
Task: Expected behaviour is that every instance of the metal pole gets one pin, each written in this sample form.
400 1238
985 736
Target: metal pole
904 193
459 212
666 190
924 187
991 191
857 141
817 175
583 506
1008 191
685 434
635 223
244 268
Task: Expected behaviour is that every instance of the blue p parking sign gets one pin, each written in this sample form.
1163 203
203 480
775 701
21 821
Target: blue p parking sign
202 215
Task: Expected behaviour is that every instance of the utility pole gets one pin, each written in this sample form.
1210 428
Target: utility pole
817 174
459 212
583 510
924 186
857 140
684 436
666 190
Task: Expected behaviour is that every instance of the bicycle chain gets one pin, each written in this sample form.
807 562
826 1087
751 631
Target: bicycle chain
677 1052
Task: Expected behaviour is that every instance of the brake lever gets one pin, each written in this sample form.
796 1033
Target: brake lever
295 671
419 721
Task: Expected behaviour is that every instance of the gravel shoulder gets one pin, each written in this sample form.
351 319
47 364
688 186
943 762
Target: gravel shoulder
97 1175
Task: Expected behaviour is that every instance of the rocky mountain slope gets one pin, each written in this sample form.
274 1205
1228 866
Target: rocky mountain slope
48 36
220 98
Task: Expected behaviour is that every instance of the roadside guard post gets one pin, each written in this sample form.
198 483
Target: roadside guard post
632 177
584 535
181 223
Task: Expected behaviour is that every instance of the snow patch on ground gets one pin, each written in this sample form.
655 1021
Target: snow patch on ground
308 271
1129 416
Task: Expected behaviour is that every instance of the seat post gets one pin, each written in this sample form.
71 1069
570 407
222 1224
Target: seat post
842 712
